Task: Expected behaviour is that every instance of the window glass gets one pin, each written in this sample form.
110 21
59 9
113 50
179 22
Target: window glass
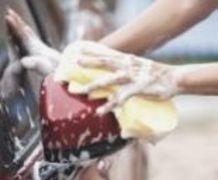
18 113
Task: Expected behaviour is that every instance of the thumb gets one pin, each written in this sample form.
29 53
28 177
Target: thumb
40 64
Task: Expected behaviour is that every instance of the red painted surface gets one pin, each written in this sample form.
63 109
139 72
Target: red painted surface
4 176
69 121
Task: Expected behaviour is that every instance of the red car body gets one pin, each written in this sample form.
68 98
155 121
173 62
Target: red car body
70 126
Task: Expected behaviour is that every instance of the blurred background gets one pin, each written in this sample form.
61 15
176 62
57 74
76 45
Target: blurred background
190 152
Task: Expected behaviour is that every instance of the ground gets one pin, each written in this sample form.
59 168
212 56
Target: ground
191 151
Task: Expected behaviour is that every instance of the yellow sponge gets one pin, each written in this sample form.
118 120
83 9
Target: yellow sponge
138 117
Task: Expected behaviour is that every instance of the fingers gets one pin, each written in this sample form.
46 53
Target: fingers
27 37
114 79
47 58
111 63
40 64
17 25
123 95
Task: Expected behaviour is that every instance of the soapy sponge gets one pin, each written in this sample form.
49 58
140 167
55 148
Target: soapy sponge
138 117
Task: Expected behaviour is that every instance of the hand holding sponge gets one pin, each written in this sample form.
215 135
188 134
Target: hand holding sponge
138 117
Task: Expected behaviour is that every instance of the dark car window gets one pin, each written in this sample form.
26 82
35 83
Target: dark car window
19 130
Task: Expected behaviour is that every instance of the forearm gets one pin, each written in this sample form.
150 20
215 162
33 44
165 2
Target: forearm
197 79
162 21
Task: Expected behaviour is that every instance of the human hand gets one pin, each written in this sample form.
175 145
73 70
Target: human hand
136 77
41 58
